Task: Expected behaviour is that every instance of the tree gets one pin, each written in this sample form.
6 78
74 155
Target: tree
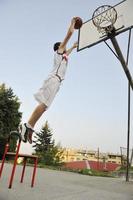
9 115
45 146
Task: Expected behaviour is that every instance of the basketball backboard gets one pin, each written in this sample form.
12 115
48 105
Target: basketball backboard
90 36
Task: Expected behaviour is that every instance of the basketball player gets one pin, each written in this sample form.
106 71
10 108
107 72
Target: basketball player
51 85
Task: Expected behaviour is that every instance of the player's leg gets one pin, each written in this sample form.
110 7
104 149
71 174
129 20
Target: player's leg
44 96
37 113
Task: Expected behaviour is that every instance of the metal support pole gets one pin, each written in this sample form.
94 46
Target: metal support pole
23 171
130 83
34 171
14 165
128 135
122 60
3 159
129 108
98 159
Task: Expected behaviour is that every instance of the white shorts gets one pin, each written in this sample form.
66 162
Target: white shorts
48 91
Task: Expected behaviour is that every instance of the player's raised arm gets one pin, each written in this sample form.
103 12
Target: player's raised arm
71 49
68 36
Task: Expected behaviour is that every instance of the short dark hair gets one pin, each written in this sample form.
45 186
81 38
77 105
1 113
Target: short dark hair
56 46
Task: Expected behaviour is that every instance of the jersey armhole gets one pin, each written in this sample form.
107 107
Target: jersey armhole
59 53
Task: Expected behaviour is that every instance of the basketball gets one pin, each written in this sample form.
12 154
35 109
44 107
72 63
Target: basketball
78 23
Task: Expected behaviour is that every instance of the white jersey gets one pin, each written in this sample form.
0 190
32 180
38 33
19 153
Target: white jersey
60 65
52 84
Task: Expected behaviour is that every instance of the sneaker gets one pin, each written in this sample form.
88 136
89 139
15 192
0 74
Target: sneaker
29 137
26 133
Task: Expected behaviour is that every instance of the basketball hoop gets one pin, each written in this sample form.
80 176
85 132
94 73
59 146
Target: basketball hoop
104 18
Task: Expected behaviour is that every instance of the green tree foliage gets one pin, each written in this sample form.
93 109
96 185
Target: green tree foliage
45 147
9 115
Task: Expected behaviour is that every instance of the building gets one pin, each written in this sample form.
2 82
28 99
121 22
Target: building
90 159
70 154
114 158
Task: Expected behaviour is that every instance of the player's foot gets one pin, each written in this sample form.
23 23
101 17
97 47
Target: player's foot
29 138
26 133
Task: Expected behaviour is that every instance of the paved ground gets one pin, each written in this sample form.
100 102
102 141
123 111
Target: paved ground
58 185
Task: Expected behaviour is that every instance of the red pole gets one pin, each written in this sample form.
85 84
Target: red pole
22 176
34 172
3 159
14 165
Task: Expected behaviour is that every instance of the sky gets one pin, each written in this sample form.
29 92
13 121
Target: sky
90 110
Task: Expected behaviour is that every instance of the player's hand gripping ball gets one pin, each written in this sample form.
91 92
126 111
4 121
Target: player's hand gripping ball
78 23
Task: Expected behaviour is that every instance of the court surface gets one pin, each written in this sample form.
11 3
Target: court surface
58 185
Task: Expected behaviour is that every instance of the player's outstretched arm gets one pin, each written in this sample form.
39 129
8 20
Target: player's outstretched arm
71 49
68 36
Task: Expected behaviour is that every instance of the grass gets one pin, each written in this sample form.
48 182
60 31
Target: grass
81 171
